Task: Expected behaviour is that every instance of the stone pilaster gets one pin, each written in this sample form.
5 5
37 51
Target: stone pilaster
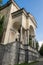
27 36
21 33
34 43
26 45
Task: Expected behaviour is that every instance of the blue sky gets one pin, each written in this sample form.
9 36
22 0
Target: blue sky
35 7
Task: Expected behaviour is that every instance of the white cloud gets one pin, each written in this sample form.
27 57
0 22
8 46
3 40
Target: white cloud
40 43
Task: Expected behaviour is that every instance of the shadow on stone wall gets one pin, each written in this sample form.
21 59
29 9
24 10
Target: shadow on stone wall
2 50
15 52
8 53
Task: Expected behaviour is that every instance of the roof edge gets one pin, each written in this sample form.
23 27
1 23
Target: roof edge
33 19
22 10
8 3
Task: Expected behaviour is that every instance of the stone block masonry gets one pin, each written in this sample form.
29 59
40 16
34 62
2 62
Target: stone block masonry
13 53
8 54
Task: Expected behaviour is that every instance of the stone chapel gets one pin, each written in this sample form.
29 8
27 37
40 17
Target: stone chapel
18 43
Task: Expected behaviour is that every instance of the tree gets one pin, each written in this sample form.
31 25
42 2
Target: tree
41 50
0 2
1 22
1 27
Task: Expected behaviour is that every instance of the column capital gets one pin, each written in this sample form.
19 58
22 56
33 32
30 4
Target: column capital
26 29
33 35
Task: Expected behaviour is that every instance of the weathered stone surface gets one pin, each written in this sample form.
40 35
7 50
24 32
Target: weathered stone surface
8 54
13 53
1 53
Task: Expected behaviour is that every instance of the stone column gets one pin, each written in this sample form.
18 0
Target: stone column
33 40
27 36
34 43
25 42
21 33
26 45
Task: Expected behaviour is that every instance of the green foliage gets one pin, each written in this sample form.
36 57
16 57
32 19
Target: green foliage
32 63
0 2
41 50
37 45
1 27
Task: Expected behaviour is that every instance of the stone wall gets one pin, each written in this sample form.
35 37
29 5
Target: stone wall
1 53
8 54
13 53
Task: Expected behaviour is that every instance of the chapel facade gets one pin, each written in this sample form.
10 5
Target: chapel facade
19 38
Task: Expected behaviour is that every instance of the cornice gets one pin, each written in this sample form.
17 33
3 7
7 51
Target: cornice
5 5
8 3
19 12
32 19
